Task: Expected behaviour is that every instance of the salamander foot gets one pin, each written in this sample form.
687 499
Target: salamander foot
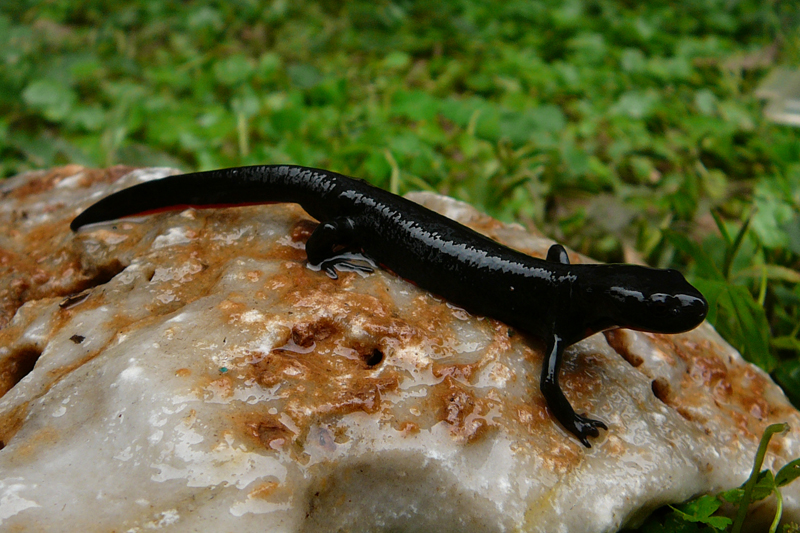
341 263
583 428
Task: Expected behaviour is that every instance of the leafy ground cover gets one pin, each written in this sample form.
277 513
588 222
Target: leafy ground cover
628 130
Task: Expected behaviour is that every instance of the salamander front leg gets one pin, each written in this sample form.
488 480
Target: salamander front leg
580 426
325 246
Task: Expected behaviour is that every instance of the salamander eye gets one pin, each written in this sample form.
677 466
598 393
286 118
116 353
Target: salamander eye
660 305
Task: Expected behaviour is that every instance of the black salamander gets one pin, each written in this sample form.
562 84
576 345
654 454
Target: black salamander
550 298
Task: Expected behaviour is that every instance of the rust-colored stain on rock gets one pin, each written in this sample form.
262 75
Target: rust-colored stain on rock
39 260
44 181
712 384
11 422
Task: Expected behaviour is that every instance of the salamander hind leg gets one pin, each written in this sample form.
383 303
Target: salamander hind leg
580 426
328 245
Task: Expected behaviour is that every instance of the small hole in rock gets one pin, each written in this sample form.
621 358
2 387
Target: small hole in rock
77 339
95 277
661 389
617 340
105 273
16 366
374 358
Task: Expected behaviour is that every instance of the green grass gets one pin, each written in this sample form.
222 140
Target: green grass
624 129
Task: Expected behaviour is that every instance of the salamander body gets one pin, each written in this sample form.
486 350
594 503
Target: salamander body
550 298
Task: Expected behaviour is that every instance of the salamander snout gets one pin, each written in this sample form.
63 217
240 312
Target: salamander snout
694 305
674 313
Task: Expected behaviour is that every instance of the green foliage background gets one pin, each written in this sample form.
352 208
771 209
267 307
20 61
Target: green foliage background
628 130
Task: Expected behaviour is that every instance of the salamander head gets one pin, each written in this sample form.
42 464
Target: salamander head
648 299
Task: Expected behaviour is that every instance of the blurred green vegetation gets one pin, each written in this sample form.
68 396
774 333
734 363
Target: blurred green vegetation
627 130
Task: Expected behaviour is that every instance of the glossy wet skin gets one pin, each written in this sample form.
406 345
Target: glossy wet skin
551 299
644 299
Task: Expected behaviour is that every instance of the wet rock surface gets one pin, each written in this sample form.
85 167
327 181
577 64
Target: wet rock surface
186 371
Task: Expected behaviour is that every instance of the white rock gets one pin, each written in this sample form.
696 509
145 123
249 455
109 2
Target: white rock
207 380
